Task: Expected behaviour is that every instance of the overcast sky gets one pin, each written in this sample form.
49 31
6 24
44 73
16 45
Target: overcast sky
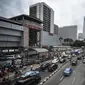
66 12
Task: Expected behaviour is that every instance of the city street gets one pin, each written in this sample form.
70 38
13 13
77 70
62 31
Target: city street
39 48
77 77
45 73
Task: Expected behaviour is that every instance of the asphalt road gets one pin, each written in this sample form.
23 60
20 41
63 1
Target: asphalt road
59 79
77 77
46 73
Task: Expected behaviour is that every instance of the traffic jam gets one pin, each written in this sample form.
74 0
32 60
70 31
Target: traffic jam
36 76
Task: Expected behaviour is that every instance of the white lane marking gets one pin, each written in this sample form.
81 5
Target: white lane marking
61 78
73 80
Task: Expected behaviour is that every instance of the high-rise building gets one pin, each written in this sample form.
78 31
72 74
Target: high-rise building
80 36
56 29
84 27
68 32
44 13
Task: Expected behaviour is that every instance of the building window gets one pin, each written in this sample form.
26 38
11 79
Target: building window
33 11
46 18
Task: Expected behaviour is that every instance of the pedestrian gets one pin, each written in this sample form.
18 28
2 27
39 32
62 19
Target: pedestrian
31 67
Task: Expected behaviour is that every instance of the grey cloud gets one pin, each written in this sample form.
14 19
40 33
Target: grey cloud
9 8
67 12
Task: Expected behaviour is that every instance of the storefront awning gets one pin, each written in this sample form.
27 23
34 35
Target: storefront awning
40 50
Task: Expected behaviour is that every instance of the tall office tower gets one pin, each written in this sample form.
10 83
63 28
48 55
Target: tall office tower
84 26
44 13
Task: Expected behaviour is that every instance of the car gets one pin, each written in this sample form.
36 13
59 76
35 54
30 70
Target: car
84 57
29 78
78 58
64 55
62 60
59 58
74 63
84 61
52 67
69 57
73 55
44 66
56 60
67 72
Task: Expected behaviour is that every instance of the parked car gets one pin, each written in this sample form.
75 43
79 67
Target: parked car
29 78
67 72
44 66
62 60
74 63
56 60
52 67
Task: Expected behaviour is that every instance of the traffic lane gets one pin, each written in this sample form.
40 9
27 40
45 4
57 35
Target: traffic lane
46 73
77 78
55 79
58 77
80 75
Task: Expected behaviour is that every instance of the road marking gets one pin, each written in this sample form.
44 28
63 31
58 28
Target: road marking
61 78
73 80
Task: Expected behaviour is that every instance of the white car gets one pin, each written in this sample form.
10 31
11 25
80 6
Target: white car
55 60
69 57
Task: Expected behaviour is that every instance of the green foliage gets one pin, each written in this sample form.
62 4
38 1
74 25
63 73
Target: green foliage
68 41
78 43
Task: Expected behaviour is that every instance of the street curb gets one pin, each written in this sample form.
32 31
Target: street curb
51 75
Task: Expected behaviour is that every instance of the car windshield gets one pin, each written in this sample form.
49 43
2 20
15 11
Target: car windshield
27 74
67 69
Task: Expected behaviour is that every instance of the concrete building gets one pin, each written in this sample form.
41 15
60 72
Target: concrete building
31 30
10 33
56 29
84 27
68 32
46 14
81 36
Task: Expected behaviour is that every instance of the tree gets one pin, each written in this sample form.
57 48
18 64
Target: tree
61 40
68 41
78 43
84 39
